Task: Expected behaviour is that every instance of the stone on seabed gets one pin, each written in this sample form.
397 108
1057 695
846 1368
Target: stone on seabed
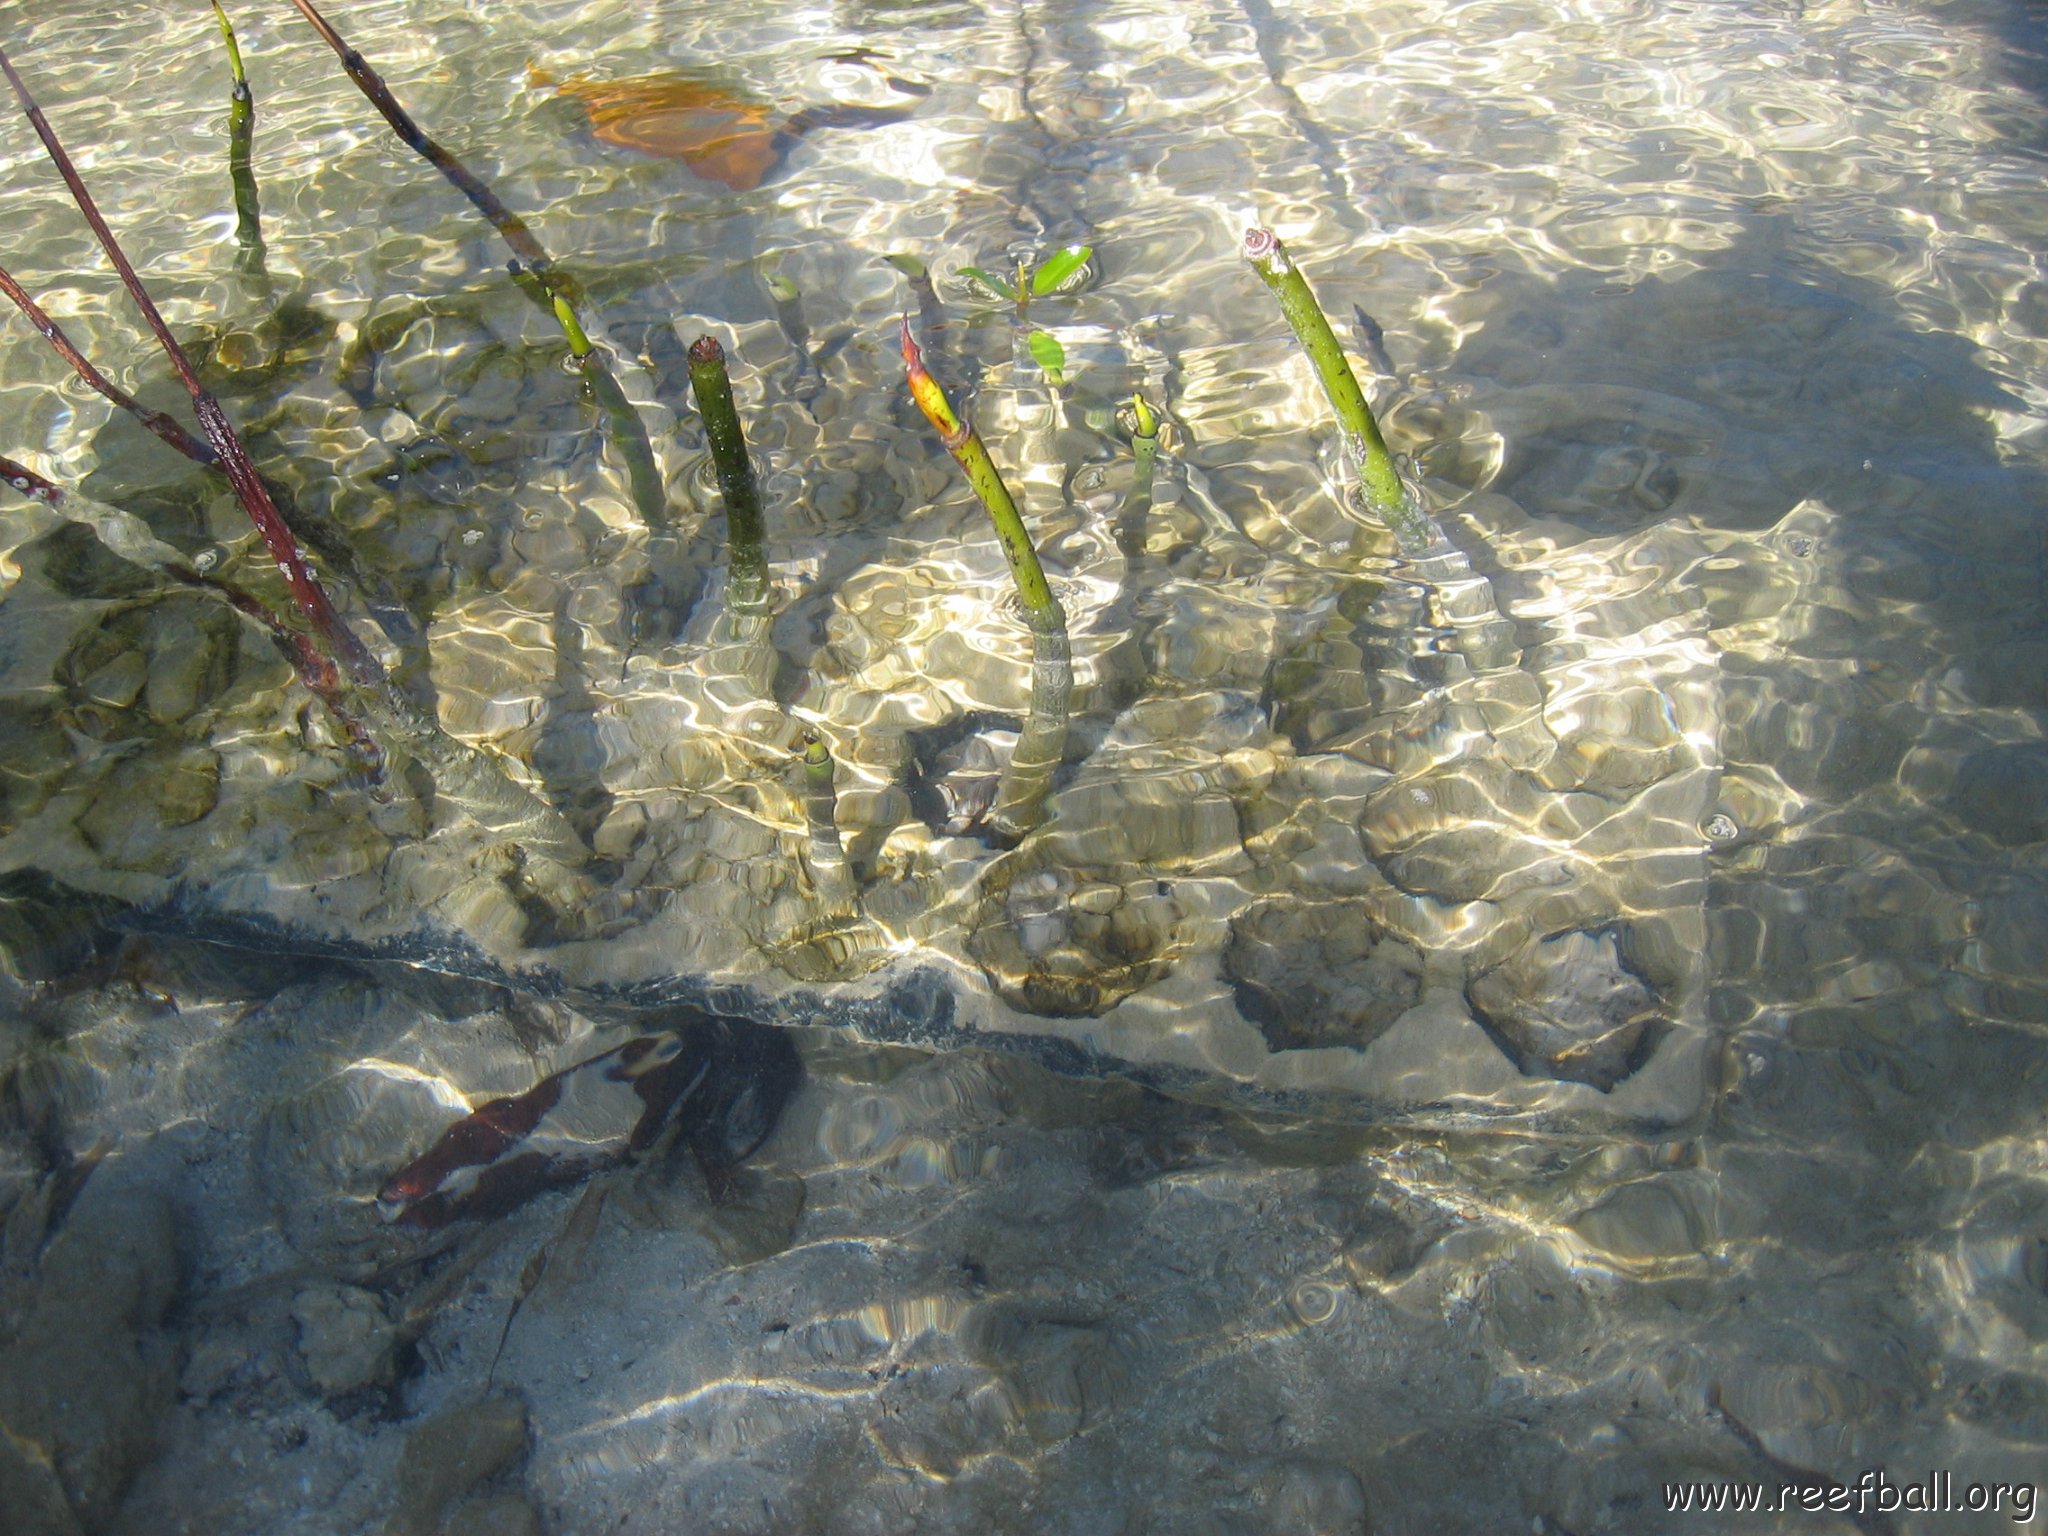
345 1337
452 1453
88 1377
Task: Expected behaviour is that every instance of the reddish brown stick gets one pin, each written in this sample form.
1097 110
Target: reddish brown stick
29 483
509 224
315 670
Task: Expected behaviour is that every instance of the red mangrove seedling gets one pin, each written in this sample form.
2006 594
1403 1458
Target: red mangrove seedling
556 290
712 387
789 316
622 423
507 223
462 775
1144 439
241 134
1463 598
1382 491
1034 281
1019 799
1054 275
311 599
931 312
967 451
964 443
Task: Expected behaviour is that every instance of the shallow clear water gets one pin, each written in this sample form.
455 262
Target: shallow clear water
1486 1036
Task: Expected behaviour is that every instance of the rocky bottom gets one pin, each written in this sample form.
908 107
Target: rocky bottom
955 1293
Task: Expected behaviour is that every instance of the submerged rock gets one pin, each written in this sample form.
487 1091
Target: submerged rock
87 1374
1321 1498
1319 973
2002 792
452 1453
1068 942
346 1339
1569 1007
956 776
47 934
502 1514
31 1493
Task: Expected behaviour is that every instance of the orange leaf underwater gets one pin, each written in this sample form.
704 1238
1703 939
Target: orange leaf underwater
720 136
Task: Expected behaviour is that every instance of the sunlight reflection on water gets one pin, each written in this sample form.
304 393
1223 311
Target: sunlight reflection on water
1600 1047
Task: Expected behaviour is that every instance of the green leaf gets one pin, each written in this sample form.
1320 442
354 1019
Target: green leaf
1049 276
990 281
907 264
1052 357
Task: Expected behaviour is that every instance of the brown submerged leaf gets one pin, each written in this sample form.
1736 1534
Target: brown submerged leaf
720 136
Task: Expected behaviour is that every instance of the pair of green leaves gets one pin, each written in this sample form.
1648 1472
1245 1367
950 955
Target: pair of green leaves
1034 282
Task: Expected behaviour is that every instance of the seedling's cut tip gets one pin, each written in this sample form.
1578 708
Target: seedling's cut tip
565 317
929 394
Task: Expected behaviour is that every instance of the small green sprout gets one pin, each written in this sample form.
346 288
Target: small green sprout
1056 274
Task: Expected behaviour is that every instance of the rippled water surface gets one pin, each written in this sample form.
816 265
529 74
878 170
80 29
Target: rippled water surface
1473 1040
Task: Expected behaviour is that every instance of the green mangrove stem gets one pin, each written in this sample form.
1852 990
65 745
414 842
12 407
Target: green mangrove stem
1144 424
1144 447
1020 797
628 435
821 816
964 443
241 135
623 426
789 315
248 212
227 32
1384 494
1144 454
712 386
817 763
1269 258
565 317
1041 746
